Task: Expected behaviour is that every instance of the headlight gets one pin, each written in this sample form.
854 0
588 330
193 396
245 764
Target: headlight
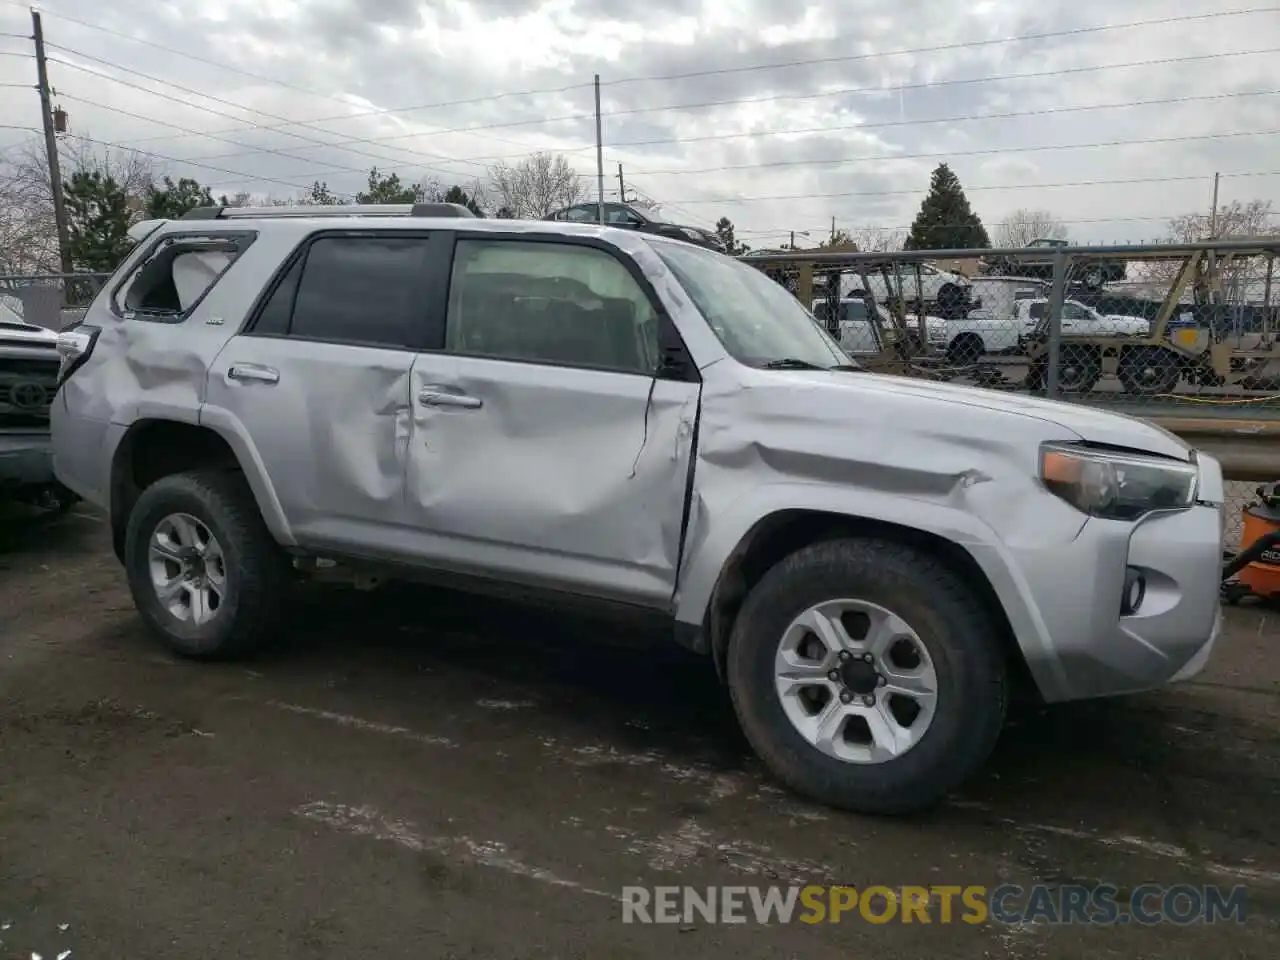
692 234
1116 486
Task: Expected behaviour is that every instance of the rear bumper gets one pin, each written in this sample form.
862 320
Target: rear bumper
26 460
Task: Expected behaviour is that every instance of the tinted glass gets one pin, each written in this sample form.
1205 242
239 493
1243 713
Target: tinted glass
273 321
555 303
361 290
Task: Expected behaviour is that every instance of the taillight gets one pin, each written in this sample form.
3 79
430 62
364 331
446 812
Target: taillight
74 345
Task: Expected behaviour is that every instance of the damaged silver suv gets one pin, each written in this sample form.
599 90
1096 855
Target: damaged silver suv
870 562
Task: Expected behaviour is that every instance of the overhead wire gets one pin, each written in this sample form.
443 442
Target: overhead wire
1120 181
220 100
883 158
946 47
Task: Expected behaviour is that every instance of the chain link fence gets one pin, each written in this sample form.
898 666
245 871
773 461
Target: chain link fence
1144 329
49 300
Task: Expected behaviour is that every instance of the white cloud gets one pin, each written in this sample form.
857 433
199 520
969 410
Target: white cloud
332 65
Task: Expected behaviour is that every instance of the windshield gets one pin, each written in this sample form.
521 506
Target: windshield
756 320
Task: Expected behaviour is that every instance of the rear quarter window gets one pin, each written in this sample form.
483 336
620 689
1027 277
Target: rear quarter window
177 271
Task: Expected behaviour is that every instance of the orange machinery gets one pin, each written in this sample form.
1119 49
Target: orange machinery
1255 570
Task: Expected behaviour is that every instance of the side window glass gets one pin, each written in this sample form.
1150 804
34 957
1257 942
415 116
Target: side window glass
1039 311
273 319
360 290
1073 311
580 215
553 303
175 276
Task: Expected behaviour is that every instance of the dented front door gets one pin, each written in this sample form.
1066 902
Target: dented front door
558 477
545 446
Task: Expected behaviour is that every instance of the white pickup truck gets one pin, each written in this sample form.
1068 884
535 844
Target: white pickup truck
1001 329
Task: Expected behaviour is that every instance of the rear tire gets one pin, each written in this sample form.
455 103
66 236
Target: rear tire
251 579
966 350
958 640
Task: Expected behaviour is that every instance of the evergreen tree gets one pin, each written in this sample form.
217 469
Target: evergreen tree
946 221
724 230
387 189
98 211
456 194
171 200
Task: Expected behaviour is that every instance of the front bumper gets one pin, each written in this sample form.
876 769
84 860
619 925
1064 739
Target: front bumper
1086 647
26 460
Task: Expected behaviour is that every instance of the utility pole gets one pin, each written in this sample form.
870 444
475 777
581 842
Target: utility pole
793 239
833 229
51 146
599 156
1213 214
622 186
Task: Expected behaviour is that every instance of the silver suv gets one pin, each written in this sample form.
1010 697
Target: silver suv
871 562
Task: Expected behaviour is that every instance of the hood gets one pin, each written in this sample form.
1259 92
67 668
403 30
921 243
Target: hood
1085 422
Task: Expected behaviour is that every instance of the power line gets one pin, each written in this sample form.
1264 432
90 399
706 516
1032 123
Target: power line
1123 181
300 89
826 228
241 175
943 48
336 168
960 153
772 98
220 100
964 118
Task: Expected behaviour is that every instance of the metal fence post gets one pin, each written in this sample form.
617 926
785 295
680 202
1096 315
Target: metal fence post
1056 297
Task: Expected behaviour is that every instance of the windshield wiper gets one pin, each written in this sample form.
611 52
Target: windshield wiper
793 363
790 363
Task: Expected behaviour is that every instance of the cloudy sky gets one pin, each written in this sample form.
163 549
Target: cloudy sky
778 115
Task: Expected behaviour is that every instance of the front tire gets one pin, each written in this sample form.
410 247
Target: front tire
204 571
829 726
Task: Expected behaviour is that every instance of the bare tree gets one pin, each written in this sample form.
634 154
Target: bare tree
867 239
1022 226
536 186
1234 221
28 237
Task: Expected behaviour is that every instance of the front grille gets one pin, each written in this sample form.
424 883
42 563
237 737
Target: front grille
27 388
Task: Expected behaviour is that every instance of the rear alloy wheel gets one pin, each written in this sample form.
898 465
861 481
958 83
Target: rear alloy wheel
1147 371
867 675
204 571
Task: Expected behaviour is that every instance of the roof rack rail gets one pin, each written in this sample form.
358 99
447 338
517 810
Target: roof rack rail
333 210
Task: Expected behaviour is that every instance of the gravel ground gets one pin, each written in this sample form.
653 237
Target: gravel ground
424 774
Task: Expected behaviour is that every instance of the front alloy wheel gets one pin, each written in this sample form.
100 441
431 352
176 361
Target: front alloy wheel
856 681
868 674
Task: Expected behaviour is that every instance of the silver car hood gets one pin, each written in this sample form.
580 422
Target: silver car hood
1086 423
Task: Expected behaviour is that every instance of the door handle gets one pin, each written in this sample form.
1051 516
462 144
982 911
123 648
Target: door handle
252 373
441 398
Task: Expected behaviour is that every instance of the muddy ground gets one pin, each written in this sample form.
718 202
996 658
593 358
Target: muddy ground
424 774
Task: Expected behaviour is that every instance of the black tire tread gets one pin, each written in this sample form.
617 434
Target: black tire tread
836 560
262 567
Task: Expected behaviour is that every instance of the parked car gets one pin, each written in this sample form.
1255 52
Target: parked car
951 294
29 365
630 217
1092 272
859 336
871 562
